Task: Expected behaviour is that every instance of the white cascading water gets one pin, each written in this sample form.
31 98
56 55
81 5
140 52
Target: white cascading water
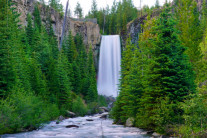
109 65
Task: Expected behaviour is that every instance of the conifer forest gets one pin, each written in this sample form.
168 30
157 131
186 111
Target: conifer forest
163 76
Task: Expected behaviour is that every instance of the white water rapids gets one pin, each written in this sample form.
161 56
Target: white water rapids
109 65
98 128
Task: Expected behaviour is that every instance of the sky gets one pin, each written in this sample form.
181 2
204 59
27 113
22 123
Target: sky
86 4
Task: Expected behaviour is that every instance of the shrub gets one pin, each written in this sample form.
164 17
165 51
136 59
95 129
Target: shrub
195 116
79 107
23 110
102 101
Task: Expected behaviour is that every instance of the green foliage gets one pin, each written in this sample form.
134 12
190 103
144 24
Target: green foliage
56 5
63 82
37 18
155 77
169 75
23 110
113 20
189 25
29 30
157 4
202 66
120 110
9 38
195 117
78 10
102 101
36 80
79 107
92 94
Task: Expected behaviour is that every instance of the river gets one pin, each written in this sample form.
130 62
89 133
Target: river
94 128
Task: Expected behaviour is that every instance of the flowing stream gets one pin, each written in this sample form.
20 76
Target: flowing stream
109 65
98 128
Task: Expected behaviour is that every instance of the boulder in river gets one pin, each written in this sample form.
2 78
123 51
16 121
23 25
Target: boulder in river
70 126
104 115
89 119
129 122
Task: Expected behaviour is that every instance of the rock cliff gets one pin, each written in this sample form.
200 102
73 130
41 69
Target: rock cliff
89 29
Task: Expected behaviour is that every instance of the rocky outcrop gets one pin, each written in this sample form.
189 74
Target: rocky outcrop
88 28
134 28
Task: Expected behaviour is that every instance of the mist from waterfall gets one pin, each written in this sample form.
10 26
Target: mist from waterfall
109 65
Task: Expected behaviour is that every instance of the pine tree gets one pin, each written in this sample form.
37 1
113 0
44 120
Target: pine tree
119 110
204 16
78 10
56 5
37 78
92 94
82 64
63 82
76 78
37 18
170 75
157 4
191 34
94 9
9 39
69 48
29 30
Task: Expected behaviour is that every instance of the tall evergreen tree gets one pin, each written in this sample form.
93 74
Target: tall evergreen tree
37 18
9 35
119 110
78 10
94 9
189 24
157 4
170 75
63 82
92 94
29 30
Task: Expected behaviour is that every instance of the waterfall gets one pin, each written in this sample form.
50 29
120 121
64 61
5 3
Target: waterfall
109 65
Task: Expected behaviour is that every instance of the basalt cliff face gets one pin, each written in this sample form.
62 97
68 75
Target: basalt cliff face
88 28
134 27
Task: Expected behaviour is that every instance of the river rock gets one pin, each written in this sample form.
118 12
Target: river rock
61 118
129 122
104 108
156 134
71 114
70 126
89 119
104 115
